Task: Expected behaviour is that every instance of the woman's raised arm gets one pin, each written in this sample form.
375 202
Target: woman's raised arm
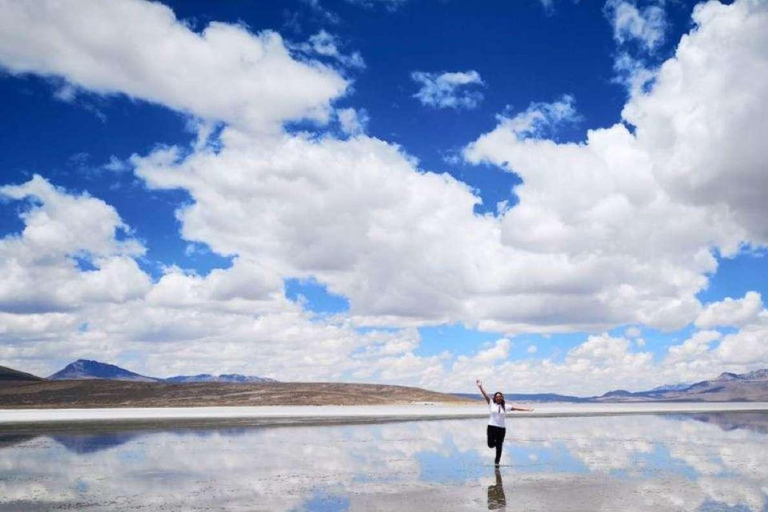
485 395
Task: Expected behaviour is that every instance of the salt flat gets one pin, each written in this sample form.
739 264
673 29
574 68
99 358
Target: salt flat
373 413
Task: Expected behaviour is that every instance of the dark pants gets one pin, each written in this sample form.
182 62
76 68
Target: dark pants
496 439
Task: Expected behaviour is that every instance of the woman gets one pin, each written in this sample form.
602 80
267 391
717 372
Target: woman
497 427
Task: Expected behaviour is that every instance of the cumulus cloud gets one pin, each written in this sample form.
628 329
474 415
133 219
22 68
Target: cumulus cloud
448 90
701 123
40 265
708 352
692 348
618 223
731 312
541 118
668 195
748 347
585 370
140 49
634 74
645 26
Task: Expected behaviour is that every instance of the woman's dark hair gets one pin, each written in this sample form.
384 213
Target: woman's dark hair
503 406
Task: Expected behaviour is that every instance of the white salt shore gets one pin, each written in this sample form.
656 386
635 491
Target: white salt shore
372 413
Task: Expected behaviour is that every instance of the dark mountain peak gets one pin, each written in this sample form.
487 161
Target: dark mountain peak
89 369
728 376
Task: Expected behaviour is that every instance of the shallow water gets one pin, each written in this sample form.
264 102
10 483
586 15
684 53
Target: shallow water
706 462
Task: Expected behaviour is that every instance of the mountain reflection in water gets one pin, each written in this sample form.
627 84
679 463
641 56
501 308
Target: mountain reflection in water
714 461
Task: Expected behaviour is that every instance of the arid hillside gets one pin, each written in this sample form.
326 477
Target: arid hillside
105 393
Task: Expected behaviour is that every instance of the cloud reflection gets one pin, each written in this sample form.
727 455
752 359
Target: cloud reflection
711 461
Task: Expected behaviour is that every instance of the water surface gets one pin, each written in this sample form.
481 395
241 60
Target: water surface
705 462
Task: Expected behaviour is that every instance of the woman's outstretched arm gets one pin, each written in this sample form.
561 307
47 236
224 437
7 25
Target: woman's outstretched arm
485 395
515 408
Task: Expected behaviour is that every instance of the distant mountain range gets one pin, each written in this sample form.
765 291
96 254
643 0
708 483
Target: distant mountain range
673 387
728 387
84 369
232 378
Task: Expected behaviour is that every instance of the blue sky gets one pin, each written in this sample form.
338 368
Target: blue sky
401 265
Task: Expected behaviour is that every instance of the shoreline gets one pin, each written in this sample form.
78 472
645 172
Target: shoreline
210 417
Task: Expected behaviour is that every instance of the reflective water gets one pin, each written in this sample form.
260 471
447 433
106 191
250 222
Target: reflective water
705 462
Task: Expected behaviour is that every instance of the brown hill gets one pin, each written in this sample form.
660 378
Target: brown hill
104 393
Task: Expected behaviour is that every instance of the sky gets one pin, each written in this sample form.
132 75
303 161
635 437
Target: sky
547 195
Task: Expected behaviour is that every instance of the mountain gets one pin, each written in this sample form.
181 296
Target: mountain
757 375
672 387
9 374
727 387
727 377
618 393
84 369
231 378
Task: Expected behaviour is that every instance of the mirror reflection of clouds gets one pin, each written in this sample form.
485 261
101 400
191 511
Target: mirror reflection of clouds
704 462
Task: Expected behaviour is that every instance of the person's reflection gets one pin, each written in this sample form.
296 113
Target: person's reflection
496 498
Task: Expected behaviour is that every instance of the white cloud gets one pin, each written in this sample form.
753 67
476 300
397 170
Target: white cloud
449 90
618 221
632 73
327 45
683 185
646 26
585 371
737 352
540 118
702 122
140 49
692 348
748 347
532 349
731 312
39 266
353 122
